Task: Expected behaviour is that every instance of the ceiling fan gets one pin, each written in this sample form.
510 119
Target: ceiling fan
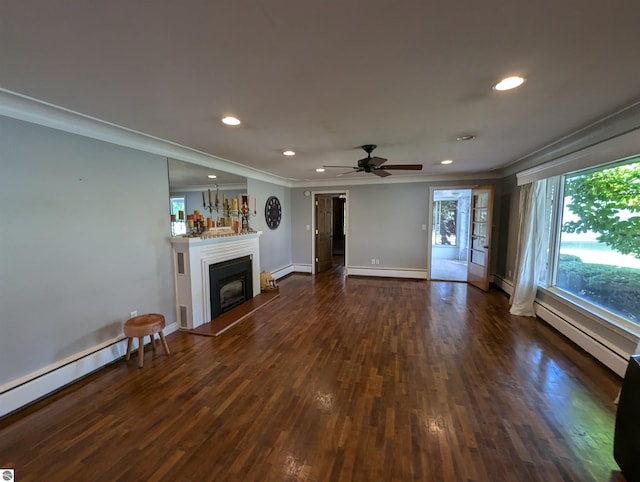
374 164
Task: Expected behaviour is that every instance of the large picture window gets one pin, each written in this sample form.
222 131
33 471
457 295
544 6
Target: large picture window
598 255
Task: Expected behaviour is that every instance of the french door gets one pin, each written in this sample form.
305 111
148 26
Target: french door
479 266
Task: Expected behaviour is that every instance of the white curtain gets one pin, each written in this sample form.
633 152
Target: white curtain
532 256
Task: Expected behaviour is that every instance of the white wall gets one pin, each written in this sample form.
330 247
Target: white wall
84 242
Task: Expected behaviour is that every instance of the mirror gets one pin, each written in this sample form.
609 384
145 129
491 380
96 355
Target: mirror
187 177
188 188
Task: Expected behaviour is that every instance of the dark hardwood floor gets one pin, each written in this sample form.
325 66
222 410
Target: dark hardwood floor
337 380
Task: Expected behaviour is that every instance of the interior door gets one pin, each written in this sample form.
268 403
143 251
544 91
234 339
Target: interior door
478 269
324 211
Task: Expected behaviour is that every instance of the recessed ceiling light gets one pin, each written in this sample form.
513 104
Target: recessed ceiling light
320 169
289 152
231 121
212 176
446 161
465 137
509 83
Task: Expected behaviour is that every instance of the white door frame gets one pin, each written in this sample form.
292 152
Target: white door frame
430 218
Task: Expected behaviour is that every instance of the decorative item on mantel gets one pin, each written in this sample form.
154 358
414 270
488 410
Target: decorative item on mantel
227 218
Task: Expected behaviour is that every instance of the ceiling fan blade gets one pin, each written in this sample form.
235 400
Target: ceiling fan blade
381 173
377 161
403 167
343 167
348 172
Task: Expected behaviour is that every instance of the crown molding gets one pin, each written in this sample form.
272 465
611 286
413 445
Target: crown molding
454 177
577 144
28 109
618 148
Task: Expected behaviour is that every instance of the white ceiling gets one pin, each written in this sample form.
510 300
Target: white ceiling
325 77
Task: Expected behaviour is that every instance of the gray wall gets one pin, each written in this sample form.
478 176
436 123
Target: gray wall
275 244
301 207
506 205
385 222
84 242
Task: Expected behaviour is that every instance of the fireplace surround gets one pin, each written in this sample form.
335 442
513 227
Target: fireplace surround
192 258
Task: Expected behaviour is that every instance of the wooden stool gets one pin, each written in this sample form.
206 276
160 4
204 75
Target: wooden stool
141 326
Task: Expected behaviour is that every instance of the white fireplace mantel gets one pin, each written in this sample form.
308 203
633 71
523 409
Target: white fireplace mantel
191 260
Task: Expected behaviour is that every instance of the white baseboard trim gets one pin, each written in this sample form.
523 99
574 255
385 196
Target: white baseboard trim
302 268
503 284
282 272
29 388
589 342
387 272
292 268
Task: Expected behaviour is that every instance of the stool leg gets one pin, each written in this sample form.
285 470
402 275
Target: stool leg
164 343
140 351
153 341
129 342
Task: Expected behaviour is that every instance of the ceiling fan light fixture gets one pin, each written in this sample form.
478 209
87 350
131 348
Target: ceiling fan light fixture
231 121
446 161
509 83
289 152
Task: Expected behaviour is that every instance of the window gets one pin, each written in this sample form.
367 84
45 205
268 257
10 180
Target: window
178 226
444 222
598 245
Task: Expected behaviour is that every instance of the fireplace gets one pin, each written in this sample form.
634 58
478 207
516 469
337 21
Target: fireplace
230 284
192 258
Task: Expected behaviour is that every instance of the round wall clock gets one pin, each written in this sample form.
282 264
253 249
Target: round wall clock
273 212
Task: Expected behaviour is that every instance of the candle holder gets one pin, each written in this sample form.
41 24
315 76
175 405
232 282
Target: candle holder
210 207
245 213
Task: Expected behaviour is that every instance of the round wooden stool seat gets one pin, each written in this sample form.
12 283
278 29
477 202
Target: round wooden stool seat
141 326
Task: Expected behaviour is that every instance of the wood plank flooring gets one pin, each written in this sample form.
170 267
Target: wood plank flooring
338 379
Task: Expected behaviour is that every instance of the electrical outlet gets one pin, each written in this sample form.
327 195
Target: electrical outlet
424 227
377 261
134 313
